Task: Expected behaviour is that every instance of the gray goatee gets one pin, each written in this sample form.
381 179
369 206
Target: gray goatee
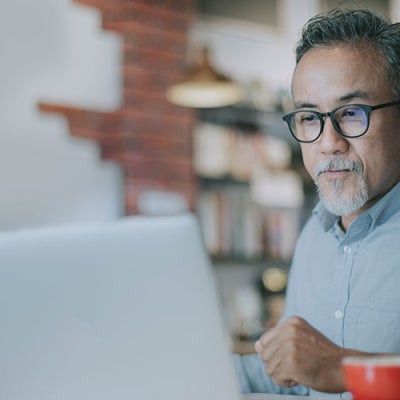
341 202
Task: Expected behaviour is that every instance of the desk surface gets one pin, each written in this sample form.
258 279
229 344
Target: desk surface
262 396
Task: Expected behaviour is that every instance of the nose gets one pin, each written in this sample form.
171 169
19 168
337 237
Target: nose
331 141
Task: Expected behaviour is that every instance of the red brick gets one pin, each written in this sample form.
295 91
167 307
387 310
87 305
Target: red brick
152 16
148 137
158 40
135 76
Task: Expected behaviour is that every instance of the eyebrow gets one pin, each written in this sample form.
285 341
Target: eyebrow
357 94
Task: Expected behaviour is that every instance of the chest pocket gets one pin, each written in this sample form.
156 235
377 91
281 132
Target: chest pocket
377 330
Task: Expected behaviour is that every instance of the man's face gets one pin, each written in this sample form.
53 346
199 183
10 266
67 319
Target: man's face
326 78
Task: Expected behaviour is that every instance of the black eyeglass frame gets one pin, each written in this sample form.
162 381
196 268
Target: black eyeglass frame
366 108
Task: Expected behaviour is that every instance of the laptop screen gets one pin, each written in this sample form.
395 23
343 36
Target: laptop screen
121 310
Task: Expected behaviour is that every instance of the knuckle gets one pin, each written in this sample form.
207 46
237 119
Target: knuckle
296 321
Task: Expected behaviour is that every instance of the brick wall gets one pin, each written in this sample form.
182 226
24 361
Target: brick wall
148 137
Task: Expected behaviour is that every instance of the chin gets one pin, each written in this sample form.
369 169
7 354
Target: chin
343 201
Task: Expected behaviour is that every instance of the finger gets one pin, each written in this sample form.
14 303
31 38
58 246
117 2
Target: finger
258 346
280 374
290 383
268 336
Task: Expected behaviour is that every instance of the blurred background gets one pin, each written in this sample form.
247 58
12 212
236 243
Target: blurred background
116 107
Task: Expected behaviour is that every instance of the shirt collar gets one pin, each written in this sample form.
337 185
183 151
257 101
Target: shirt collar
379 213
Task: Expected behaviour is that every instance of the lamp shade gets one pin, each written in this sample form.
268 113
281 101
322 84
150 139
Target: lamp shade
204 87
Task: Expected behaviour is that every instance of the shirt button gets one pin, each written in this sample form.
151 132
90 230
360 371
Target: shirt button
347 249
338 314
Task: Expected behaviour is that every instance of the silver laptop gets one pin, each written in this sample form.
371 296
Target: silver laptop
122 310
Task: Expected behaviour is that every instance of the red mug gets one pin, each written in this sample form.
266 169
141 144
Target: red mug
373 378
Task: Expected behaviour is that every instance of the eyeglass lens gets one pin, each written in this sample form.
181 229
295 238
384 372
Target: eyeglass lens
349 120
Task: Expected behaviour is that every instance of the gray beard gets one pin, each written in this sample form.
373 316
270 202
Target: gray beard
339 202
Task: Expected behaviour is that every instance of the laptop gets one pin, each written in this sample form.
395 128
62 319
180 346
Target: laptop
119 310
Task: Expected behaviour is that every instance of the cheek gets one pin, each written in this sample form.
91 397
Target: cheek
378 158
308 158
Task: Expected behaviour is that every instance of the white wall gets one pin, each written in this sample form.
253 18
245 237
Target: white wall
53 50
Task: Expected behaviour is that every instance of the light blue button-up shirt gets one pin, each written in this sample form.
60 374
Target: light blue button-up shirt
345 284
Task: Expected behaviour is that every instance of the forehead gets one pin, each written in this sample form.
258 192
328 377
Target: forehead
331 72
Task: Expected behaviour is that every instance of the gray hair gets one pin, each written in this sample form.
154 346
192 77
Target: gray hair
358 28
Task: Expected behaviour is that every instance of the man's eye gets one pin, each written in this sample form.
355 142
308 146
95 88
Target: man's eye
352 112
306 118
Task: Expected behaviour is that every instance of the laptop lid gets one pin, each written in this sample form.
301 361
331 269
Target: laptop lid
123 310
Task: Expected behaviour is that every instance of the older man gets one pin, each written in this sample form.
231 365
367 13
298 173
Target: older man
343 295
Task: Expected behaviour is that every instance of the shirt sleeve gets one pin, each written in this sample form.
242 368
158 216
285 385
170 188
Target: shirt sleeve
253 379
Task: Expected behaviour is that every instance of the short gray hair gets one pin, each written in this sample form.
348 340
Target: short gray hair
358 28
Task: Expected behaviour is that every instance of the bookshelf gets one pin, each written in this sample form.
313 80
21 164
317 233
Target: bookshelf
253 198
235 227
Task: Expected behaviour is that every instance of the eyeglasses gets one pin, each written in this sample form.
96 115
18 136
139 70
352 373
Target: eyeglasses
351 121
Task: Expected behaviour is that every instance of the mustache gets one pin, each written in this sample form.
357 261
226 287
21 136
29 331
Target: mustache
338 164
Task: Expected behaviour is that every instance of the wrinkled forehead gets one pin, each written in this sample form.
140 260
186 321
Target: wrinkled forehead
336 70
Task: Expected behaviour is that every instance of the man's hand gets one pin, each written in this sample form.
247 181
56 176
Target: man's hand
295 353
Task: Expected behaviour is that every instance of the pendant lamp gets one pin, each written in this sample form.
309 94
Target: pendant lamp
204 87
